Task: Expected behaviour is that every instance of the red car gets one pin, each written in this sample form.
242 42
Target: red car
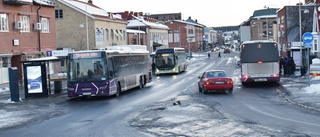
215 80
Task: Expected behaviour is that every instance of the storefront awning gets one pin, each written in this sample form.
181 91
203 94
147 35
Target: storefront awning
156 44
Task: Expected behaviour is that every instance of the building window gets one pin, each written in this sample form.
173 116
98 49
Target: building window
107 34
190 31
45 25
59 13
25 23
4 62
120 33
112 35
4 22
116 33
124 35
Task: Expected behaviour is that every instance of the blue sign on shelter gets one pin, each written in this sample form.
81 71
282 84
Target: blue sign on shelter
307 37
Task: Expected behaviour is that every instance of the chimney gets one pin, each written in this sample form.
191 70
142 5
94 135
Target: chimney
90 2
196 20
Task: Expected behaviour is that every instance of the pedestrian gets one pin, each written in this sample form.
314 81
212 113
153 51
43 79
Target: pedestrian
219 55
281 67
285 72
289 65
208 54
292 66
153 65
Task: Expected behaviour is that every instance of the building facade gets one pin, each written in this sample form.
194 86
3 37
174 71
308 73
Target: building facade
84 26
27 31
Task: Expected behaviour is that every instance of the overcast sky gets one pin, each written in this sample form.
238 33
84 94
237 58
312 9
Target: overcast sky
211 13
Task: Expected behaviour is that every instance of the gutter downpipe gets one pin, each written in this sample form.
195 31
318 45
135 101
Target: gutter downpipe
39 42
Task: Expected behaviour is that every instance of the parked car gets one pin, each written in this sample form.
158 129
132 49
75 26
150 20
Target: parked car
215 81
226 51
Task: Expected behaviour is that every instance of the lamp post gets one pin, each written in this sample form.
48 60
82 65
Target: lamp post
300 33
267 23
87 30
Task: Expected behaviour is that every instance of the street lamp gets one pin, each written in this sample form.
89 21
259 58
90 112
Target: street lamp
300 33
87 30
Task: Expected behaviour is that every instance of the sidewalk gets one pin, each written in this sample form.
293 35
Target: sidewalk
301 91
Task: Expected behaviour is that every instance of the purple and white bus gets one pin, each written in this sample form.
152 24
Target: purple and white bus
107 72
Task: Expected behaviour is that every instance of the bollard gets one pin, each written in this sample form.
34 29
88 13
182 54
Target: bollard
14 85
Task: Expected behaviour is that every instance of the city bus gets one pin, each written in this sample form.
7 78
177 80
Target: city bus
259 62
107 72
170 60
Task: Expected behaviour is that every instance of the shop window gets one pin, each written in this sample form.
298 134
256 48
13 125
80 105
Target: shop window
4 62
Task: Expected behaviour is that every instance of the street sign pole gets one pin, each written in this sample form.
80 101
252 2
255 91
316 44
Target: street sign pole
308 39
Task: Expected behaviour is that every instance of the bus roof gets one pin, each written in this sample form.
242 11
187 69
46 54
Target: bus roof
165 50
119 49
258 41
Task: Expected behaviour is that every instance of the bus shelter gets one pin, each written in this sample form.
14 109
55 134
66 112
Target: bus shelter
37 76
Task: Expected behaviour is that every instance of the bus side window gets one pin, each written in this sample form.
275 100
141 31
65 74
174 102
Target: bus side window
110 67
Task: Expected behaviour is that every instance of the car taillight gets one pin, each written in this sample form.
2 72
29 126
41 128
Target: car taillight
208 82
229 82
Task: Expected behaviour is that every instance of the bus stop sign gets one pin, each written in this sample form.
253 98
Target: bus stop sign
307 37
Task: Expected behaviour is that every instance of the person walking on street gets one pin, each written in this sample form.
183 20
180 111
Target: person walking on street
153 66
208 54
219 55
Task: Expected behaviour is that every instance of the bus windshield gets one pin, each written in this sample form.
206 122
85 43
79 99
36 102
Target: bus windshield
85 70
255 52
165 60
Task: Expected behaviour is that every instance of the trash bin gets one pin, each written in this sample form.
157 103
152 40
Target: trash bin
57 87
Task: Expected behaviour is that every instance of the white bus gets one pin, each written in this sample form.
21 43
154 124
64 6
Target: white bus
170 60
259 62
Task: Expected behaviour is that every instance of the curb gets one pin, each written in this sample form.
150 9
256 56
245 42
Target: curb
286 95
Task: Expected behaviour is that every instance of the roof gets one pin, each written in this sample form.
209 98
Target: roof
134 31
139 22
265 12
194 22
89 9
190 23
45 2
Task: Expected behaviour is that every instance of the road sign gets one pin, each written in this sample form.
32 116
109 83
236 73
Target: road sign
307 37
308 45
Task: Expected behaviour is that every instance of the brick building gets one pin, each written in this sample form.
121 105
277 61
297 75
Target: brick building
27 31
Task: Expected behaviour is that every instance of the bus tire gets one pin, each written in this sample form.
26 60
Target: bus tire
118 90
141 83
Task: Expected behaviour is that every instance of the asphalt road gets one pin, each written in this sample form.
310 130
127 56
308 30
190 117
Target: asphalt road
251 111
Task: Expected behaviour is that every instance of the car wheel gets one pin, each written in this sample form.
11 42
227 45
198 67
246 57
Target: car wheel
229 91
200 90
205 91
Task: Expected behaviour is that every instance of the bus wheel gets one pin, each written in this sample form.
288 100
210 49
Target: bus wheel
118 90
141 83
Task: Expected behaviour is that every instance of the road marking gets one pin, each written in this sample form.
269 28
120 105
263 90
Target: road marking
271 115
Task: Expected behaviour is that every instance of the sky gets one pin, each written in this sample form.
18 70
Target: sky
211 13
